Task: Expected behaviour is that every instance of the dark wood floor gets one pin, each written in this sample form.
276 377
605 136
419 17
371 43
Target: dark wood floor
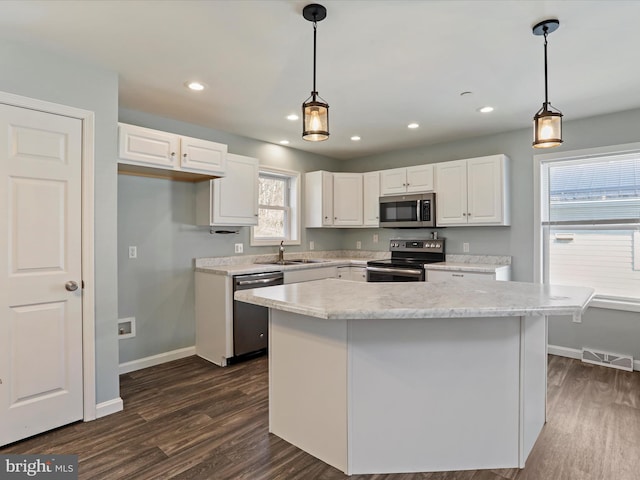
189 419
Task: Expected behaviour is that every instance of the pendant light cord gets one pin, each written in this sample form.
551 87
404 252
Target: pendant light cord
315 26
546 84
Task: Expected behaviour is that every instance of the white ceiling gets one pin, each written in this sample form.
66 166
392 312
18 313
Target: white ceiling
381 64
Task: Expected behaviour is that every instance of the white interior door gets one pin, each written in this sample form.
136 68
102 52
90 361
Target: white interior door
40 254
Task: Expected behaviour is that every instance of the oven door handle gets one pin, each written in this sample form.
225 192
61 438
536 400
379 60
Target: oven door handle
404 272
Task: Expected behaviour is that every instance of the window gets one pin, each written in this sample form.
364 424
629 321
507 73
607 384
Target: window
589 221
278 208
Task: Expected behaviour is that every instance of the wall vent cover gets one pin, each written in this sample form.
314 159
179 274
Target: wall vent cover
613 360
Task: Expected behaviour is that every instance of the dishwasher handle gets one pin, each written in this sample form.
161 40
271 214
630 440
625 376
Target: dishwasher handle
263 282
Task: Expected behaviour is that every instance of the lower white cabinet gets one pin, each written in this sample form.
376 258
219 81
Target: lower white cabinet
353 273
232 200
308 274
501 272
214 317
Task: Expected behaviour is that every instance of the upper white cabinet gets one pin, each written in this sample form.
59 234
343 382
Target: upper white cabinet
473 191
347 199
202 155
318 192
404 180
333 199
371 199
144 151
232 200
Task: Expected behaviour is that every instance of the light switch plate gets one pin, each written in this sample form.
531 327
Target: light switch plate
239 247
312 245
358 245
133 252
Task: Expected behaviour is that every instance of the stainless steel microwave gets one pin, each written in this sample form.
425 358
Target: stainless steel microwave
408 211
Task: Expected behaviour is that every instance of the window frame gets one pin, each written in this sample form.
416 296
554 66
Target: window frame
539 258
292 211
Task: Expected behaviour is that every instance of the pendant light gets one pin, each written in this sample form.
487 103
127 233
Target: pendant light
547 122
315 111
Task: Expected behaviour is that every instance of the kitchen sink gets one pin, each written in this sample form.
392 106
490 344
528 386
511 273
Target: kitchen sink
308 260
292 262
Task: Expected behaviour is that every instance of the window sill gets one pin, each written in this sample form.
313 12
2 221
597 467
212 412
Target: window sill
272 243
626 305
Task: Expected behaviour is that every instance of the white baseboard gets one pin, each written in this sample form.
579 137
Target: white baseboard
141 363
110 406
575 353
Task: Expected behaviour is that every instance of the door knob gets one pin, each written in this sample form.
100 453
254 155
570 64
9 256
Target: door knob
71 286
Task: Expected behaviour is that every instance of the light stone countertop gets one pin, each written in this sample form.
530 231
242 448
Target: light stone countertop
247 264
465 267
341 299
248 268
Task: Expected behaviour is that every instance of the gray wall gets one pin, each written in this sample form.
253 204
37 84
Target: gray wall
158 216
46 76
610 330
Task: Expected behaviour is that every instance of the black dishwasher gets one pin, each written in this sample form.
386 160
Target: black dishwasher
251 322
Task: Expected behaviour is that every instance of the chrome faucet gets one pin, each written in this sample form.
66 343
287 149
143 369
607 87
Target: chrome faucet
281 252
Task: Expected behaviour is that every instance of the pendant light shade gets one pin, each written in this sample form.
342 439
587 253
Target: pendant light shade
315 111
547 122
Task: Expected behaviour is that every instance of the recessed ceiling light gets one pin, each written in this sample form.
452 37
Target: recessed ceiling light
293 117
195 86
284 142
413 125
486 109
355 138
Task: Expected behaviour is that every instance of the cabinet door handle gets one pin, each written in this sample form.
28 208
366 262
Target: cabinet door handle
469 213
457 275
184 155
464 214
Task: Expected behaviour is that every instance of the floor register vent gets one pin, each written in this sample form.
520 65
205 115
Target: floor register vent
613 360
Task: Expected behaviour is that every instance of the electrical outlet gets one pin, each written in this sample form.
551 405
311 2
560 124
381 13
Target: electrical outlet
465 247
358 244
133 252
375 238
312 245
239 247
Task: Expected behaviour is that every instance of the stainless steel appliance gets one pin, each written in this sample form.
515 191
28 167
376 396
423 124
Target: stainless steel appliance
251 322
408 211
407 261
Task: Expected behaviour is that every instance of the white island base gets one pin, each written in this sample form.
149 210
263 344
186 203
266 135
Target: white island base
408 394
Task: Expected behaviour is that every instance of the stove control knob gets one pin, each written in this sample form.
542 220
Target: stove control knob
437 245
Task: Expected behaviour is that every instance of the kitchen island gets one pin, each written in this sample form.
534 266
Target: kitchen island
411 377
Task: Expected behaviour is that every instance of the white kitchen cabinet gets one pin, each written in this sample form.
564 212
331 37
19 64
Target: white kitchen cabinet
502 273
347 199
214 317
202 156
371 199
474 191
414 179
333 199
353 273
318 192
232 200
144 151
309 274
